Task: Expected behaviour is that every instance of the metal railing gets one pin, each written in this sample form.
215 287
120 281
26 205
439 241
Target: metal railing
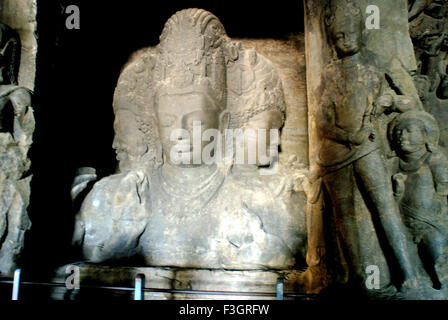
139 289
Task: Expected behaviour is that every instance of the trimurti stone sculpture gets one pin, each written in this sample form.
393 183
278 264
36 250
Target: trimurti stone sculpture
368 211
16 130
217 213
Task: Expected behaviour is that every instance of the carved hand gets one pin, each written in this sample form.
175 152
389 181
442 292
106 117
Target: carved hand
398 186
396 103
360 136
84 176
383 102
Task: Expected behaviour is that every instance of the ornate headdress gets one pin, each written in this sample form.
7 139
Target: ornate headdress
191 56
342 14
261 92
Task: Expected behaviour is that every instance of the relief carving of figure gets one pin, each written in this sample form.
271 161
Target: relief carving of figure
421 185
16 130
355 96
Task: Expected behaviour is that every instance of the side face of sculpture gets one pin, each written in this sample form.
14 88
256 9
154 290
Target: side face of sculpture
16 130
172 205
128 144
262 124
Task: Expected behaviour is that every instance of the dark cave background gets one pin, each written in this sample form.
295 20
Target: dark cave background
76 76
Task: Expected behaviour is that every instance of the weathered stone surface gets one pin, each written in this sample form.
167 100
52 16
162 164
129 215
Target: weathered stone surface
219 215
16 130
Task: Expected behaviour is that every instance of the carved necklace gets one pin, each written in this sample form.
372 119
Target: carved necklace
414 164
190 195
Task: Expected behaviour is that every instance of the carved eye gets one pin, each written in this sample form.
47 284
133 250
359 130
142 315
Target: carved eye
339 35
398 134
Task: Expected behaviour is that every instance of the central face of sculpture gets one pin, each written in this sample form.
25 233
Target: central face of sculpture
409 136
182 112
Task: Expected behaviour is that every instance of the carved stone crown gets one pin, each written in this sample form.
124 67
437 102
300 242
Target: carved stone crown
191 57
264 93
341 12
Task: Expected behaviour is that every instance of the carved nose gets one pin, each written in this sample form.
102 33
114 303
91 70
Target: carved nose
115 143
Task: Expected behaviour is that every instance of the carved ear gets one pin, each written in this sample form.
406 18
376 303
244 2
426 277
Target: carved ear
224 120
328 16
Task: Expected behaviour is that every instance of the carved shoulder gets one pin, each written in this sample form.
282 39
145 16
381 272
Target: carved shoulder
438 164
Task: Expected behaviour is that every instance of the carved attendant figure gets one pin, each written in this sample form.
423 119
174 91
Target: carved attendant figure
421 184
350 155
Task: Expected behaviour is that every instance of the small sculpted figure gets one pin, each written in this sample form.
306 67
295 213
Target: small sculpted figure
421 185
